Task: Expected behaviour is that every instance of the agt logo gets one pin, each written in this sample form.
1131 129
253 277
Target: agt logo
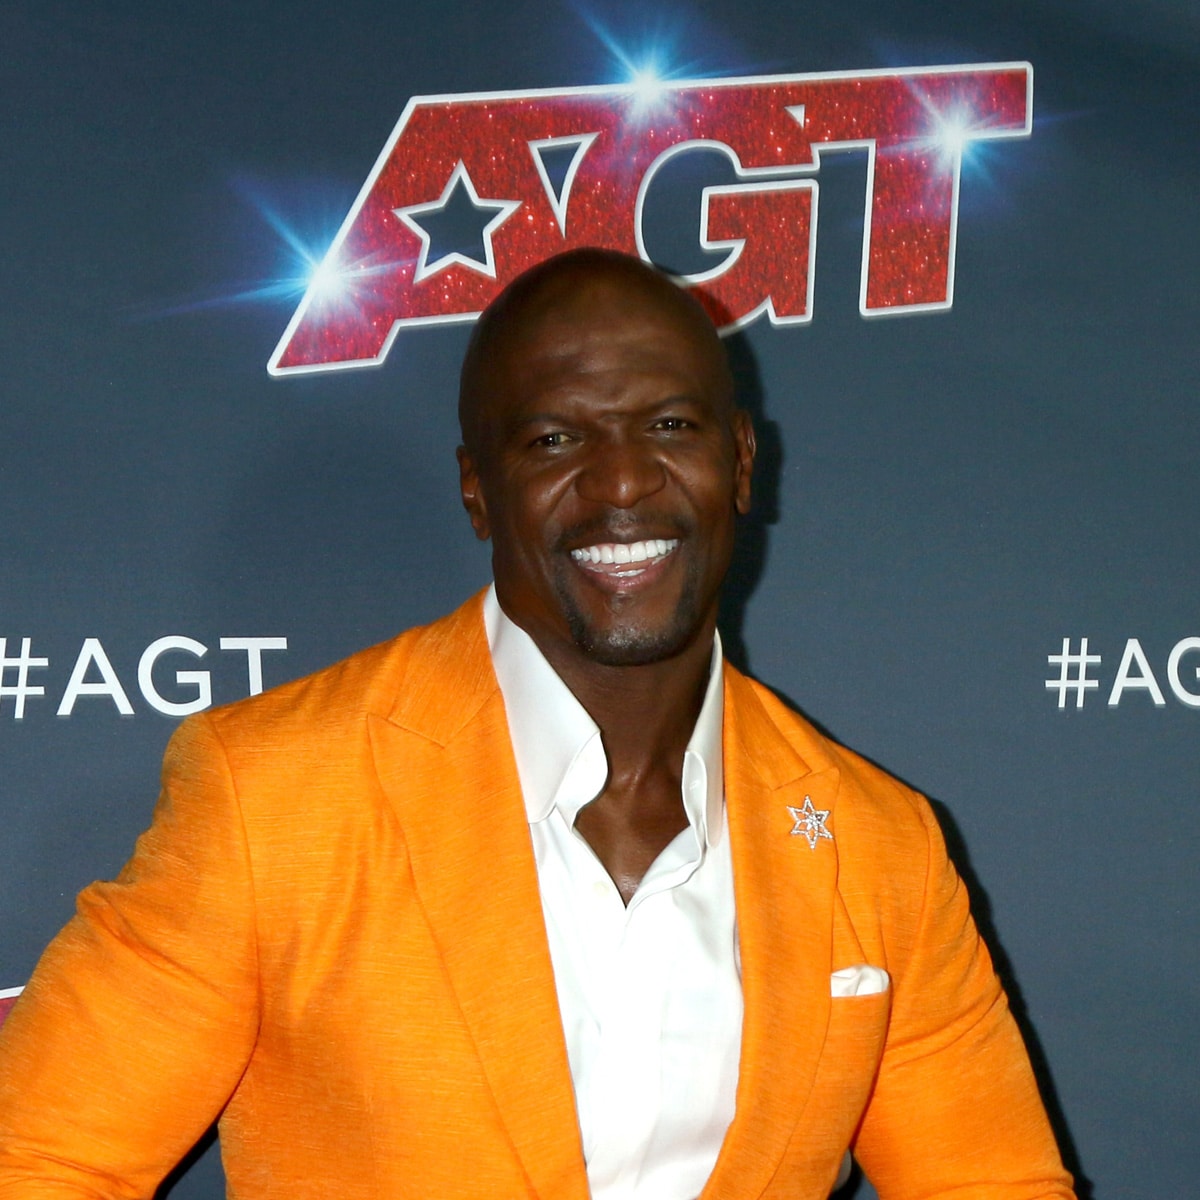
543 171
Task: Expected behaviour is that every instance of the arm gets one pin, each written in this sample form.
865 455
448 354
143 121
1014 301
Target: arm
955 1111
142 1014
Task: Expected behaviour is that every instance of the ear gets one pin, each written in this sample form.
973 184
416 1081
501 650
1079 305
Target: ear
744 450
472 494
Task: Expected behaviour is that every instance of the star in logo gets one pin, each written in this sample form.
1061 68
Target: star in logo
460 222
810 822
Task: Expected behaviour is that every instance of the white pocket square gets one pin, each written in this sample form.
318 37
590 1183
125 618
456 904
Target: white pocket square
862 980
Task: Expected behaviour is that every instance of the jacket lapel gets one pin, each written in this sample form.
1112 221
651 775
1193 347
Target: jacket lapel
785 894
445 762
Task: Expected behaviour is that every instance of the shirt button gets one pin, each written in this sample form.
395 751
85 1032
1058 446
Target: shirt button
600 889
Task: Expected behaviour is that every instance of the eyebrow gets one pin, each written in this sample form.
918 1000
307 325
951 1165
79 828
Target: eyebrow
515 425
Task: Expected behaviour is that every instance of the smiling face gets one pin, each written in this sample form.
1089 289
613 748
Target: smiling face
605 460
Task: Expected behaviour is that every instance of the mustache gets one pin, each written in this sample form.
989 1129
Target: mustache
622 525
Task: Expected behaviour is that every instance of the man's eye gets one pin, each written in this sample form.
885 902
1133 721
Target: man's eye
671 424
550 440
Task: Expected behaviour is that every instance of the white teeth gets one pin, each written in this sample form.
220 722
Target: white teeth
622 553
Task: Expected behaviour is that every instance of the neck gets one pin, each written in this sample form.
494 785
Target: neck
645 714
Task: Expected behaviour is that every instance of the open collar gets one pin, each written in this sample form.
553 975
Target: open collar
557 746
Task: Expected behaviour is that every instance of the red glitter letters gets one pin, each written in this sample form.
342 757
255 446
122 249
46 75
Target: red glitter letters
491 152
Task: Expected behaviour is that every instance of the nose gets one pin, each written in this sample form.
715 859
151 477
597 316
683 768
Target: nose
620 472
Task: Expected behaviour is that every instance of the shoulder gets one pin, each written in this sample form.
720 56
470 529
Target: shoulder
374 681
758 716
873 812
418 679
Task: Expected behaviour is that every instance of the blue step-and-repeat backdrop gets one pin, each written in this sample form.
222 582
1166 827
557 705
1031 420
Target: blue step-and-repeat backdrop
955 248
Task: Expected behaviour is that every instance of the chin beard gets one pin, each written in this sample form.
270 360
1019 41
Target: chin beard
632 644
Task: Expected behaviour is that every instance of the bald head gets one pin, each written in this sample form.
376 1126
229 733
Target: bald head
598 422
581 291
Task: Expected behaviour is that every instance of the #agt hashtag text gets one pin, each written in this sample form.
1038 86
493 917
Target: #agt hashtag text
1076 678
93 675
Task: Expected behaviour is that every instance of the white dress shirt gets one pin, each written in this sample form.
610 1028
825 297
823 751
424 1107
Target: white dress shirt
650 994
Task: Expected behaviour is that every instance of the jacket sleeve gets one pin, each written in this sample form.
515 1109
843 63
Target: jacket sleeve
955 1110
141 1015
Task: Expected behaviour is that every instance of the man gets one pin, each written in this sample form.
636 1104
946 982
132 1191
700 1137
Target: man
542 899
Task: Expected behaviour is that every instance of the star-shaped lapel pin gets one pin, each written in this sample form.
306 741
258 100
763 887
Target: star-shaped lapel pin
810 822
458 217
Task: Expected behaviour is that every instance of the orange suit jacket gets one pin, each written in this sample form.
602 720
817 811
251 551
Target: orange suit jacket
332 936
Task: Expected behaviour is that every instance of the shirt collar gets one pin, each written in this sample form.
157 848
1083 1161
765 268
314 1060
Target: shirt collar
559 755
